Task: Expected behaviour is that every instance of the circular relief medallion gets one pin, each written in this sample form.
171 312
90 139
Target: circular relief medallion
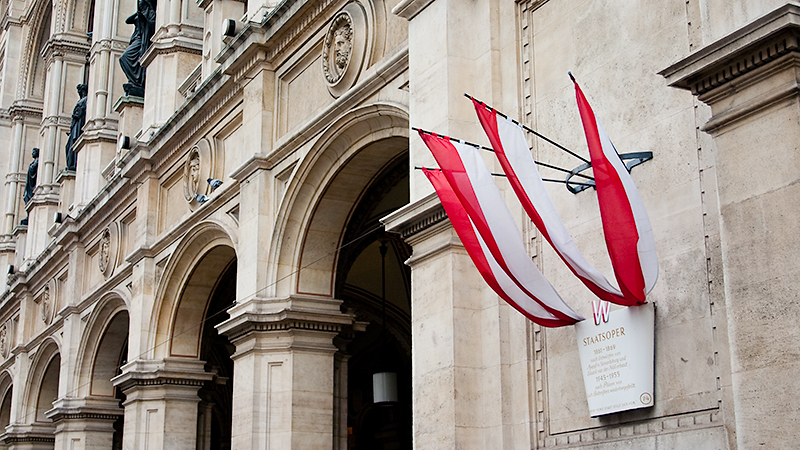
196 171
344 48
191 175
104 256
47 306
4 344
338 48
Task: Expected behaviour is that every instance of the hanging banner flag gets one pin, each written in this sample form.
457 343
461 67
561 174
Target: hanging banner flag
510 146
479 196
628 234
487 266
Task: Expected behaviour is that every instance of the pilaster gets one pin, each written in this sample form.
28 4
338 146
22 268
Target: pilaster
283 389
161 404
750 80
446 297
87 423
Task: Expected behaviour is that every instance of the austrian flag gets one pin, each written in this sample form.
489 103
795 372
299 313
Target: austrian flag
490 235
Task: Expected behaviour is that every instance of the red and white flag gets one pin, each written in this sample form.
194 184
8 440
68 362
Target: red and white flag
510 146
478 195
627 229
487 266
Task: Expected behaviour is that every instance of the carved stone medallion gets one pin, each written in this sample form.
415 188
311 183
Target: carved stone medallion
108 249
104 254
344 48
47 306
338 47
191 178
196 170
4 344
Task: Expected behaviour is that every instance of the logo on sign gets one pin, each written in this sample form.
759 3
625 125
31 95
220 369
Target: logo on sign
600 311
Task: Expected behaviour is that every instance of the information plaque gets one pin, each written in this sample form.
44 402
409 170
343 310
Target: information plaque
616 351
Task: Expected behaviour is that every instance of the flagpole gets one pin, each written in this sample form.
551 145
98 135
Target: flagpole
549 166
528 129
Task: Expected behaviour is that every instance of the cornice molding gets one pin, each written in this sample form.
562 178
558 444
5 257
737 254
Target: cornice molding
408 9
747 49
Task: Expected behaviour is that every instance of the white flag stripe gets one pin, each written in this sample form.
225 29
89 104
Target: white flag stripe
510 288
519 157
505 232
646 246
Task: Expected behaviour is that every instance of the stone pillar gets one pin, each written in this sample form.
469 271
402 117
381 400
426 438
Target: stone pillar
86 424
750 80
283 371
161 404
446 293
15 180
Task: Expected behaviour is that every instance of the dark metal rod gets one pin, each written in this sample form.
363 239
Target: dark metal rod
503 175
549 166
530 130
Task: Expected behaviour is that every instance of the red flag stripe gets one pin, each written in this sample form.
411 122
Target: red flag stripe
487 266
511 148
627 236
472 183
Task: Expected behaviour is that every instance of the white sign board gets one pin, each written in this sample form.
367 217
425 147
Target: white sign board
617 359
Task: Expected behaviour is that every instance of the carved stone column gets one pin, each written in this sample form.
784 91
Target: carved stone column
85 423
446 302
751 81
161 404
283 389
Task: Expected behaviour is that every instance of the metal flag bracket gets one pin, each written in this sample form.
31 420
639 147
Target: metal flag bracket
630 160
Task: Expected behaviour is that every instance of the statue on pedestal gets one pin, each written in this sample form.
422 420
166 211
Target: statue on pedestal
144 22
30 181
76 127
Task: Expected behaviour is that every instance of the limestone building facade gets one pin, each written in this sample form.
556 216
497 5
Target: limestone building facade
145 306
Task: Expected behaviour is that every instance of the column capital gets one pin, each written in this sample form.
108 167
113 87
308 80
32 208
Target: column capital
306 321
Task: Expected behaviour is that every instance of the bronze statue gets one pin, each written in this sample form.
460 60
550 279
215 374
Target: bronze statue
30 181
76 127
144 22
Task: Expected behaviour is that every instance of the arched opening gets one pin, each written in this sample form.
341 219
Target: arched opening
215 411
48 389
374 283
5 408
112 354
36 74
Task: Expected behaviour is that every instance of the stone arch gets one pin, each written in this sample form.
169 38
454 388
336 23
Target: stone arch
204 254
329 181
6 392
39 32
43 382
104 338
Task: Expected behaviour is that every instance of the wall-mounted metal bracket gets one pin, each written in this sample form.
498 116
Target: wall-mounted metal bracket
631 160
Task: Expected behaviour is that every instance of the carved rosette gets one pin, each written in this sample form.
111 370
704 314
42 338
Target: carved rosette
344 48
196 171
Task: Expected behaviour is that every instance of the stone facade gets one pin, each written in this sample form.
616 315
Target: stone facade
144 308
